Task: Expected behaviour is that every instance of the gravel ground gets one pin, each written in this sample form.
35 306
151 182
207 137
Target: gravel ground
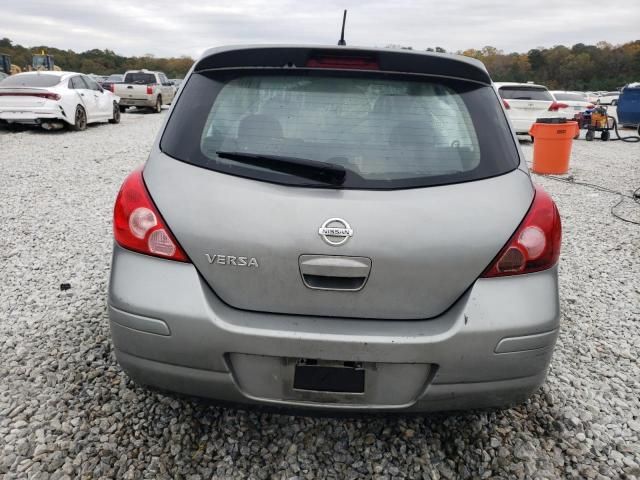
68 411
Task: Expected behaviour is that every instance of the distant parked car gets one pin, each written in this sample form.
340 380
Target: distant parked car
55 99
176 83
144 89
609 98
576 101
107 84
97 78
629 105
526 102
592 96
584 95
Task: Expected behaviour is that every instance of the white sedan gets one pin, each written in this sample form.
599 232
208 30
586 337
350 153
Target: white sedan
526 102
576 102
53 99
609 98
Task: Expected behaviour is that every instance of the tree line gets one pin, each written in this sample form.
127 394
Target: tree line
581 67
100 62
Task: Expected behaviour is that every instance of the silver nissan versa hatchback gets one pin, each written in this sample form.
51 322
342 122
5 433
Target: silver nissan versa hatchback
336 228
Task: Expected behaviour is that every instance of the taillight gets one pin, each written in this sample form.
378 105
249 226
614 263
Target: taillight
340 62
149 90
46 95
536 244
137 224
506 104
555 106
49 96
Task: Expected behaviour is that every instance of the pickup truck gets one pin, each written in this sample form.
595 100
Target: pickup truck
144 89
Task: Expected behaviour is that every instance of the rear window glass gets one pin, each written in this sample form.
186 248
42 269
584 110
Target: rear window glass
569 97
114 78
386 131
39 80
525 93
140 78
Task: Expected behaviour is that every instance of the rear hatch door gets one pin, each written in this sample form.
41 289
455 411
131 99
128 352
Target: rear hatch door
527 103
431 192
135 85
251 241
131 91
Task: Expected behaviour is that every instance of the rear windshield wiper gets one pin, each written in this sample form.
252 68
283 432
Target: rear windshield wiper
300 167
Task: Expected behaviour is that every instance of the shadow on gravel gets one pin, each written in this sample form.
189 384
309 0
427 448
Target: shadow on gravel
36 130
144 111
106 425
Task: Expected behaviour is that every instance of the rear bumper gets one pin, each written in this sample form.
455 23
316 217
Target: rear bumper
522 126
31 115
492 348
138 102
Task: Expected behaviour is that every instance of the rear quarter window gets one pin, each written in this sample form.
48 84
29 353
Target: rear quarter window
387 131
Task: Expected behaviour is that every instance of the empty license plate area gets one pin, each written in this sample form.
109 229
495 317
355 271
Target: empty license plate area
329 376
299 381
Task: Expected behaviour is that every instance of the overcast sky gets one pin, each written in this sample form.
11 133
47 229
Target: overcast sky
186 27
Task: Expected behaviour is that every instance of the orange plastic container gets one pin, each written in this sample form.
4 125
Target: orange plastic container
552 146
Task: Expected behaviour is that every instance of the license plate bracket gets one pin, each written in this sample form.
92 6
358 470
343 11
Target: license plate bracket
344 377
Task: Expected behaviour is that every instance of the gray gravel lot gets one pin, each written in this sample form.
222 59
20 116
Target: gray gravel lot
68 411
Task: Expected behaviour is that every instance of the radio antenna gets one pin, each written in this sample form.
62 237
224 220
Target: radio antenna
341 42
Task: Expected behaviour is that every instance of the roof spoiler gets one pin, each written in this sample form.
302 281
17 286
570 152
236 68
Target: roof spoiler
386 60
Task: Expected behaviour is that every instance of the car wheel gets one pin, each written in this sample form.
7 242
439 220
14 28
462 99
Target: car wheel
123 108
116 114
80 119
158 107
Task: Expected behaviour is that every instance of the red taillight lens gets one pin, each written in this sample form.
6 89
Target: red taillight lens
149 90
555 106
137 224
536 244
50 96
350 63
506 104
